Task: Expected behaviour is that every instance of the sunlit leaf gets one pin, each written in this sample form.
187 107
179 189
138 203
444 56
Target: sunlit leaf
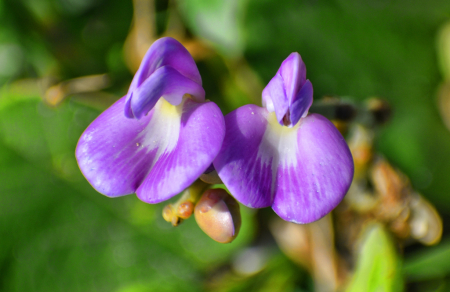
217 21
431 263
378 266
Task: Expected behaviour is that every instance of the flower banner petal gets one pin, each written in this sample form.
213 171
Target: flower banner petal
117 154
242 166
164 82
108 152
200 135
314 179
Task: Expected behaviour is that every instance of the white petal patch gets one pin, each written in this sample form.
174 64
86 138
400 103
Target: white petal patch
161 133
163 130
279 146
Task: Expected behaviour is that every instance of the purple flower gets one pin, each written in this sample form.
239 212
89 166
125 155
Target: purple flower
160 137
282 157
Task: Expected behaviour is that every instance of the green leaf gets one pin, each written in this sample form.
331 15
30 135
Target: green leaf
378 265
431 263
443 50
278 274
217 21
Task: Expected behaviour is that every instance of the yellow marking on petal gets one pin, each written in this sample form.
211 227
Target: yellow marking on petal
167 109
282 140
277 128
163 130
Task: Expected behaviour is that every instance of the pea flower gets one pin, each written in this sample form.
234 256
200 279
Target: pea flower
280 156
160 137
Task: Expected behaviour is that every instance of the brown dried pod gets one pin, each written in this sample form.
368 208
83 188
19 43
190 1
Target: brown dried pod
425 222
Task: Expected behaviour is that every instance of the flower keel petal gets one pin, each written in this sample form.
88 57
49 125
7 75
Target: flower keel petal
166 52
164 82
302 102
274 97
293 72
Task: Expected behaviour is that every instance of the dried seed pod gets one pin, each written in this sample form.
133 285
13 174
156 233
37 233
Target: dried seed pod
392 187
217 214
425 222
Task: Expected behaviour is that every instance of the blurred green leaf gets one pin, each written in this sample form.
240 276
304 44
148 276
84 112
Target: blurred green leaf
443 50
378 265
217 21
431 263
279 274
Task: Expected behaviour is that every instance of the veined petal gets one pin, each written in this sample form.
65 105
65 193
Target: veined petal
301 103
313 179
164 82
245 170
117 154
274 97
303 171
108 152
192 133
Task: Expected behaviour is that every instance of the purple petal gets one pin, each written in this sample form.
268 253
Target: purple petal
293 72
313 180
274 97
128 111
108 153
244 169
303 171
117 154
285 92
164 82
178 165
164 52
301 103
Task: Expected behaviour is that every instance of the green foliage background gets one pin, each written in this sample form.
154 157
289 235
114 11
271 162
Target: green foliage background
58 234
